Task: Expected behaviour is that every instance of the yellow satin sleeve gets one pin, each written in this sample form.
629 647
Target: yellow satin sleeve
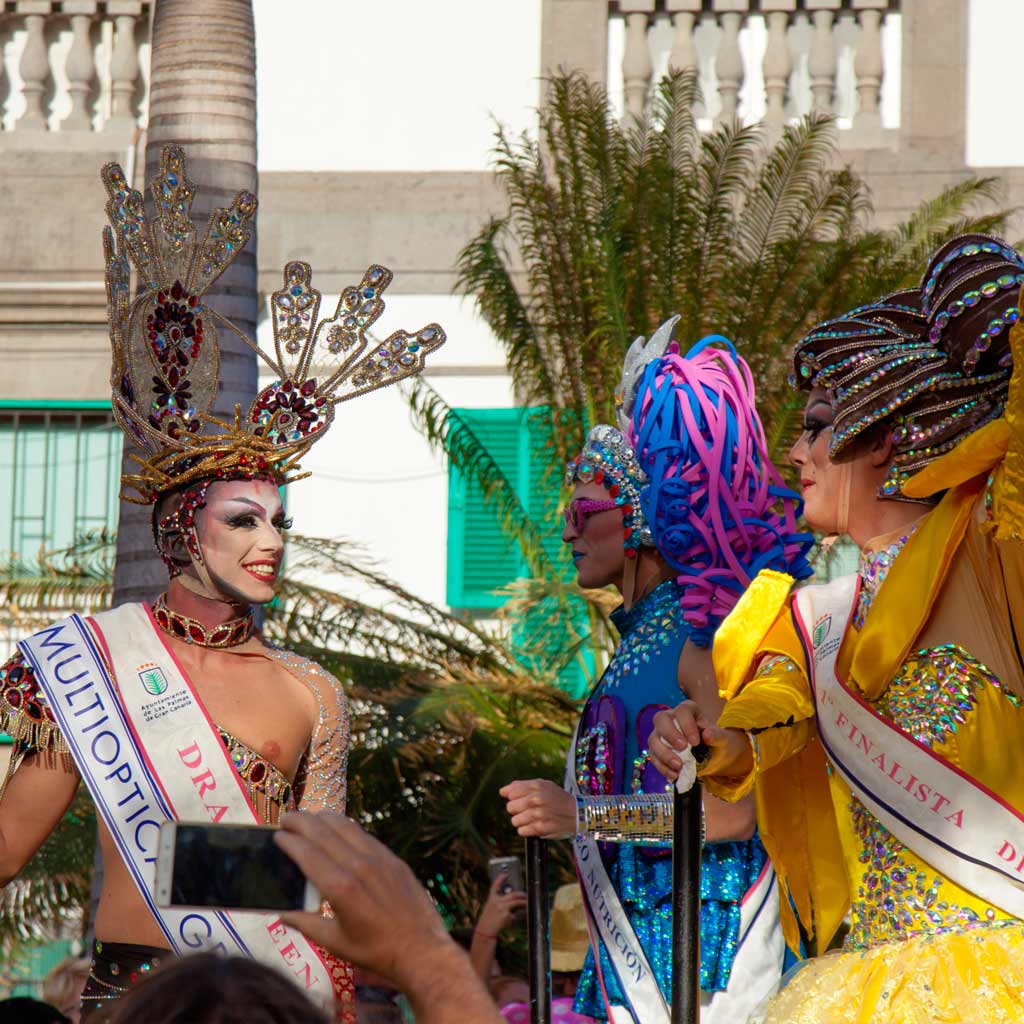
774 706
791 788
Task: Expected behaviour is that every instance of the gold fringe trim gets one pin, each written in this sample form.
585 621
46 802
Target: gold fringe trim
45 737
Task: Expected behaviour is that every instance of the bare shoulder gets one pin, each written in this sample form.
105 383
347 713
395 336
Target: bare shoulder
326 688
304 669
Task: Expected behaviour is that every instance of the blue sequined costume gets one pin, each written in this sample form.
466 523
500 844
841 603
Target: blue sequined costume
643 672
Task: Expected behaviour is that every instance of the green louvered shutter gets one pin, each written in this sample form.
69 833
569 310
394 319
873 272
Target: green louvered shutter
480 557
545 483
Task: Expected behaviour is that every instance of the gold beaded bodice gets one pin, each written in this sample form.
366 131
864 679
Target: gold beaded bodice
897 895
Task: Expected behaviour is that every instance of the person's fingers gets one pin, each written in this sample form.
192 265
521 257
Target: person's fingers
318 862
324 931
666 728
667 753
518 788
664 760
528 828
683 718
523 818
325 829
498 882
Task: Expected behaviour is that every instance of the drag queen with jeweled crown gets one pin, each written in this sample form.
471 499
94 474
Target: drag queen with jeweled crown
180 711
879 716
678 510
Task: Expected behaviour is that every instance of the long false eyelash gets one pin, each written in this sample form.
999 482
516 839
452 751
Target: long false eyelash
814 427
242 520
285 524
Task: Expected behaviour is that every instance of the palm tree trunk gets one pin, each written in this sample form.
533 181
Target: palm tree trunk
202 96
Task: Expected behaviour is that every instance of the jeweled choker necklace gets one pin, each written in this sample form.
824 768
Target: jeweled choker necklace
191 631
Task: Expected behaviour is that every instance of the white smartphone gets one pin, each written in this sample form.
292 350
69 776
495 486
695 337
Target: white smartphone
228 867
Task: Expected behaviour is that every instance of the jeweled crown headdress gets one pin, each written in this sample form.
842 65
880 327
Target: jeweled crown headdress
934 363
165 366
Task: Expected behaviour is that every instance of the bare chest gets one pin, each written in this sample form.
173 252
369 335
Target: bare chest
255 700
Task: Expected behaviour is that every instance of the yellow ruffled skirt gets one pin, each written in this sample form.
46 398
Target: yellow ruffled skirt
970 977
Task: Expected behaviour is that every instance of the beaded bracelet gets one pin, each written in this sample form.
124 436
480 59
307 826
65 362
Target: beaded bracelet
644 818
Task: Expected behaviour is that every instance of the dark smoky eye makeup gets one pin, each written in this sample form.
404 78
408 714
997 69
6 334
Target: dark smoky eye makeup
241 519
816 426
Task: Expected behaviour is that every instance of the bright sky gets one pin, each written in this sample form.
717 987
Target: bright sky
392 84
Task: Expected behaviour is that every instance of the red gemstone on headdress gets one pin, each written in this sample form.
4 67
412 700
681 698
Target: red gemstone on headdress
599 475
627 510
630 552
614 490
193 301
627 532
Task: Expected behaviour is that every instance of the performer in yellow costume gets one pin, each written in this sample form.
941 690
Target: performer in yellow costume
879 717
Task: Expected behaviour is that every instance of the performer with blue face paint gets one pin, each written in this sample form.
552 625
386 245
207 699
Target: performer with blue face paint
679 508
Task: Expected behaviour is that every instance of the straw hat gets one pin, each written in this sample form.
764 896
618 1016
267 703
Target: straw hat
569 938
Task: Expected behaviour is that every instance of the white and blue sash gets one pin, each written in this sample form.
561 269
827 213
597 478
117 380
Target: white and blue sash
935 809
607 916
149 753
760 946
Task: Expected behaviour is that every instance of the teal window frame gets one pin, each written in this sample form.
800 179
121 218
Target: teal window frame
524 430
52 509
466 506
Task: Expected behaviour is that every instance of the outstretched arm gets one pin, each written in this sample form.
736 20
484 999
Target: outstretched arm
31 808
370 889
43 780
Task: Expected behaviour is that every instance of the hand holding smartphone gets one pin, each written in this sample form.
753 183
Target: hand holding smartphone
228 867
510 866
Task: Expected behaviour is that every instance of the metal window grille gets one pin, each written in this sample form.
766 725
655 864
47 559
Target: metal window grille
59 477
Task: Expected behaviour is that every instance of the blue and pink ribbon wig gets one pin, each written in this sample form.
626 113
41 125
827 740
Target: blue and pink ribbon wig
716 506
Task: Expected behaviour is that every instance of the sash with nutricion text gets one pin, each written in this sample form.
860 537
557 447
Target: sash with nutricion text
934 808
148 753
760 946
607 916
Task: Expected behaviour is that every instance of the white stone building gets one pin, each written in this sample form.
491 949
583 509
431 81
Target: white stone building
375 125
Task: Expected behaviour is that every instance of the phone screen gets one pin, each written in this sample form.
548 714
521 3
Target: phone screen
236 867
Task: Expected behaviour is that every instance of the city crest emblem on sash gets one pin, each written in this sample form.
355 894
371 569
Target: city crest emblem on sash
153 679
821 630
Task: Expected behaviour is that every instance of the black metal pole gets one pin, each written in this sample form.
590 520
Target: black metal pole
686 847
537 930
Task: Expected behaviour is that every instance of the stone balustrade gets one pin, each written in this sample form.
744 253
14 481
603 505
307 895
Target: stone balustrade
770 60
75 73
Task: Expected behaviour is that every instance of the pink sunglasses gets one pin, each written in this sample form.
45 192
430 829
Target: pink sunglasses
579 510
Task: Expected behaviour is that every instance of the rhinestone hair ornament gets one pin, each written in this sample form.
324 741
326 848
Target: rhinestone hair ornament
716 506
165 367
933 363
608 459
